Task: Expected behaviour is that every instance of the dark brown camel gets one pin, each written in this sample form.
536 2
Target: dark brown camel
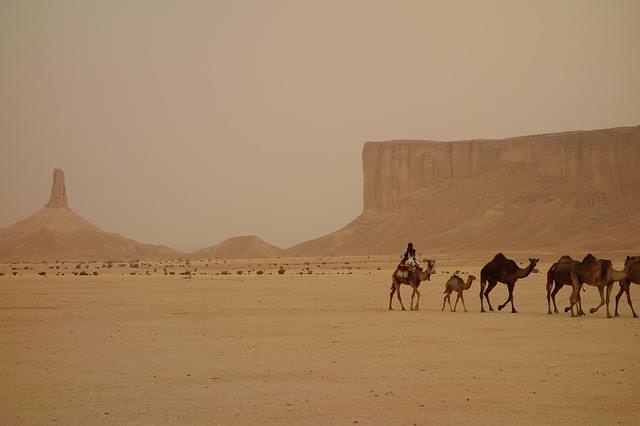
598 273
413 280
560 274
502 270
632 264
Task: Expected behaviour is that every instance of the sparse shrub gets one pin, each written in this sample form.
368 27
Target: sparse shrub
225 272
1 274
281 271
14 273
259 272
95 273
44 274
172 273
239 272
83 273
309 272
132 273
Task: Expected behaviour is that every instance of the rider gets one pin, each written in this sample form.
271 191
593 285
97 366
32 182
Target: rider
409 258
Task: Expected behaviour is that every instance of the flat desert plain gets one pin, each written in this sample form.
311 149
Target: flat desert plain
136 344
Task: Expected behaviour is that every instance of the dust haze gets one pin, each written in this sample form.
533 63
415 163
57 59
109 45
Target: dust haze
188 123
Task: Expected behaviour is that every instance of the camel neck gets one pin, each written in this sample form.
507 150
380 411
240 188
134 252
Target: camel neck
526 271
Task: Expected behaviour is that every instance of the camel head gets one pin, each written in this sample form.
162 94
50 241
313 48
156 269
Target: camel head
532 264
431 266
470 279
425 274
631 260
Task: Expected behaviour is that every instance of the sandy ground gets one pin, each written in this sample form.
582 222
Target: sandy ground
317 348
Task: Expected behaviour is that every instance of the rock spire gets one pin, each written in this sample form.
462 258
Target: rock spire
58 197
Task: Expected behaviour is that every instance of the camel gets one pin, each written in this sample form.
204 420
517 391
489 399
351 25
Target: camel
632 264
400 277
502 270
598 273
560 274
456 284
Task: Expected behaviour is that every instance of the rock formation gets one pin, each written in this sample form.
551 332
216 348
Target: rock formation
244 247
58 197
573 189
57 233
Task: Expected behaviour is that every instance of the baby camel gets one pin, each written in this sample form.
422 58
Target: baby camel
456 284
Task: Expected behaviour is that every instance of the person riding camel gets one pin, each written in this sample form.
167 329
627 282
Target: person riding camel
409 260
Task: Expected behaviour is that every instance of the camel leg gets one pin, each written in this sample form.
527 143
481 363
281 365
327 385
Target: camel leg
549 283
575 298
572 299
579 300
400 298
482 284
418 301
462 298
486 293
455 305
509 299
513 307
444 301
609 288
594 310
618 299
413 295
555 291
628 292
393 290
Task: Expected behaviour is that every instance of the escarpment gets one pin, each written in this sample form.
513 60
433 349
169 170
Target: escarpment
573 189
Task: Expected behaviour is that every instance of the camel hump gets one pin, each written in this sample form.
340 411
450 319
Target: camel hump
565 259
499 256
589 258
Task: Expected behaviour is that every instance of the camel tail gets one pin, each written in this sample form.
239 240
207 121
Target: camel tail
550 276
483 281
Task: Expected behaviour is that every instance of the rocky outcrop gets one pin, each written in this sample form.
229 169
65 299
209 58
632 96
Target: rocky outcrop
572 189
57 233
58 197
244 247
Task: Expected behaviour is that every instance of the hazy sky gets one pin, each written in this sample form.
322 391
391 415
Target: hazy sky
187 122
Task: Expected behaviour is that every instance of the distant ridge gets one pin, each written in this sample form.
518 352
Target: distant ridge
57 233
571 190
243 247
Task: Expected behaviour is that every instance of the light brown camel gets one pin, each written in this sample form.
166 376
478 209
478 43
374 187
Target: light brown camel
456 284
413 280
502 270
598 273
560 274
632 264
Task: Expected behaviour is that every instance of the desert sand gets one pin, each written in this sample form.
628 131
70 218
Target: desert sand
315 345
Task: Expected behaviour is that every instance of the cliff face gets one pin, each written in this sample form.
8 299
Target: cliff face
565 190
596 166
